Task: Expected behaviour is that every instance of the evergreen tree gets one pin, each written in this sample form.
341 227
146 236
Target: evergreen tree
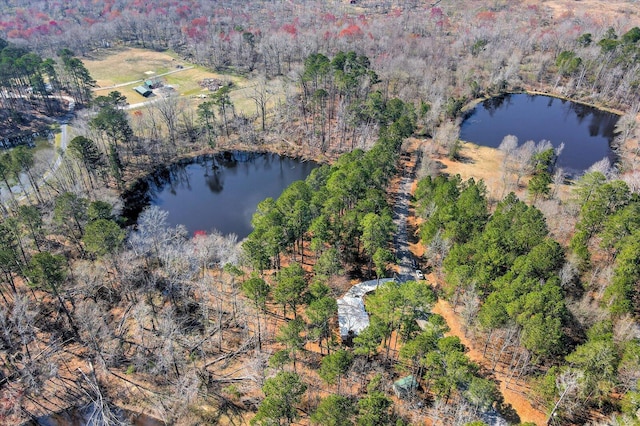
282 393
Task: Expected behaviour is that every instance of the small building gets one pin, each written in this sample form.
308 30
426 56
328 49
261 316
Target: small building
143 90
405 387
352 316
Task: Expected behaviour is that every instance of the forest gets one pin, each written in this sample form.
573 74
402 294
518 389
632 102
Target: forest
527 312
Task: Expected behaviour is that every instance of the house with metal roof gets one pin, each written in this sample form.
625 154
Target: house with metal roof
352 316
143 90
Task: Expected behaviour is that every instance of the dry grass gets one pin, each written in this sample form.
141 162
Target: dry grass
241 93
127 67
481 162
478 162
124 65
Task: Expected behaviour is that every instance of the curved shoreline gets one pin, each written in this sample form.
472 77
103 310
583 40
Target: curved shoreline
160 168
179 189
474 102
266 148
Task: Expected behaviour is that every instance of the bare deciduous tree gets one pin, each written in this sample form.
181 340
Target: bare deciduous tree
168 108
508 147
603 166
261 96
99 411
522 160
448 137
569 402
568 273
97 333
558 180
470 306
428 164
633 180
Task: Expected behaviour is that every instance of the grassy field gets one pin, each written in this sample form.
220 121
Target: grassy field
119 66
126 68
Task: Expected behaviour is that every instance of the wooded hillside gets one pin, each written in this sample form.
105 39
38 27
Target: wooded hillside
538 271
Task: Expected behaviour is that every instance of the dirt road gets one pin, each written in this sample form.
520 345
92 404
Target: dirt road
404 254
515 398
400 214
17 189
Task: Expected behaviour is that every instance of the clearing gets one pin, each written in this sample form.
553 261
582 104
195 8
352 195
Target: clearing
126 68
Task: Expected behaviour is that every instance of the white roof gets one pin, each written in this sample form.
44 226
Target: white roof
351 313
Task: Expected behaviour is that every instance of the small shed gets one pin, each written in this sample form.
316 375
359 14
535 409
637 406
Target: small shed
405 387
143 90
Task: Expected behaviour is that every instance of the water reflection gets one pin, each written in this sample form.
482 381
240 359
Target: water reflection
495 103
215 182
217 192
586 132
81 416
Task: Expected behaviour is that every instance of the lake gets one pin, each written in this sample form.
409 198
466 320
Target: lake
218 192
82 416
587 132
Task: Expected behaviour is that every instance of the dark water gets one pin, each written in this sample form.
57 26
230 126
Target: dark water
81 416
220 192
586 132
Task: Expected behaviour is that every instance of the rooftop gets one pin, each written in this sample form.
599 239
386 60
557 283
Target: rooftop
352 316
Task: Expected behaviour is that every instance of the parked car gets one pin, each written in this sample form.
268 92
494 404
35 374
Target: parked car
419 274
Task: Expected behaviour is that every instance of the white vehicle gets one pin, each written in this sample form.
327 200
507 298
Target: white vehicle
419 274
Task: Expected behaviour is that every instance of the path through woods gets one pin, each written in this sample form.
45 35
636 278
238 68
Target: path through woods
514 394
511 395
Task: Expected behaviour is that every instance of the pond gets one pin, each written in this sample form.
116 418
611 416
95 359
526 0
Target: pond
84 416
218 192
587 132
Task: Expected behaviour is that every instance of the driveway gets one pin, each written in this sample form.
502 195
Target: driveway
400 215
58 154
